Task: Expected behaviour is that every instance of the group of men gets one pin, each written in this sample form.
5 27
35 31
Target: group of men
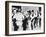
27 20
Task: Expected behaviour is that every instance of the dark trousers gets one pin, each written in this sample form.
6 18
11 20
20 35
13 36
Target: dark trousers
25 23
15 25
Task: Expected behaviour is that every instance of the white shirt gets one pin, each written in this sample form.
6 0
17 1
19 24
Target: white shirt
18 16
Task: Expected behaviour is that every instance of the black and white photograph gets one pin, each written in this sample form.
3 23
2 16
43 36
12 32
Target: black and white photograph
26 18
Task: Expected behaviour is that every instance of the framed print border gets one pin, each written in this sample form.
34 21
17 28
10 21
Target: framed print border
7 17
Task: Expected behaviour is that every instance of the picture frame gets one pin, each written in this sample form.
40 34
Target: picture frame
18 6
